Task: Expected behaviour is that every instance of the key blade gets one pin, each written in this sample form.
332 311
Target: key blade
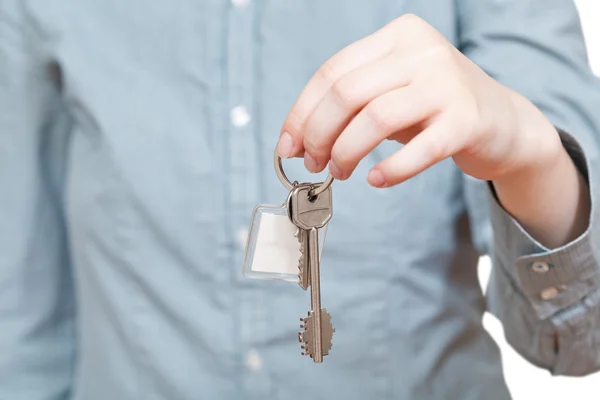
315 292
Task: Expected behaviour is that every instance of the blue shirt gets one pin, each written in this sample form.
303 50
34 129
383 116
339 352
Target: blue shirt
135 139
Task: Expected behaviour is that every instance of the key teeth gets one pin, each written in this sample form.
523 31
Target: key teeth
306 339
300 263
303 280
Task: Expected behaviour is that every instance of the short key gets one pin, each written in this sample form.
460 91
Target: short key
310 213
302 236
303 261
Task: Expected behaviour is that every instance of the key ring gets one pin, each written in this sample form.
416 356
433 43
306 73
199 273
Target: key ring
320 188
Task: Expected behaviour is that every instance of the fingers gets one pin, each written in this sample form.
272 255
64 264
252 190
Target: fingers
360 53
394 113
436 143
347 96
354 90
377 88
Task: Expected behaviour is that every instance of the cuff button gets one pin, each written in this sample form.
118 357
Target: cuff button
549 293
541 267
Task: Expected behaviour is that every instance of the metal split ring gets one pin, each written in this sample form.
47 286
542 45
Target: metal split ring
318 187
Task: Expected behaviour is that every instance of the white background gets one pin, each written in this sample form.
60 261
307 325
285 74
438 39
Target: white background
527 382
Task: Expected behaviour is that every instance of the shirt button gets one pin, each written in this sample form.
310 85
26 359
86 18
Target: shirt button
549 293
240 3
239 116
242 237
540 267
253 360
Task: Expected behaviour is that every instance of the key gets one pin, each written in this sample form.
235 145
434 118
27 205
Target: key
303 267
309 213
302 236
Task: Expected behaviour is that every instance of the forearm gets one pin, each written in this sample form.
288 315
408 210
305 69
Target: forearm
551 200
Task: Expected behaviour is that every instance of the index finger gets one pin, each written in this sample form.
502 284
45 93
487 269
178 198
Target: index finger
364 51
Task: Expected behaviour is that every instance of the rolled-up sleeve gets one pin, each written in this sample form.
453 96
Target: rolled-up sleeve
536 47
37 343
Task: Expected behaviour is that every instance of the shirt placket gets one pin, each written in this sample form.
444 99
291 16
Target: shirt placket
245 186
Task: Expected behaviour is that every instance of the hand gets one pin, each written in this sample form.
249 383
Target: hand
407 83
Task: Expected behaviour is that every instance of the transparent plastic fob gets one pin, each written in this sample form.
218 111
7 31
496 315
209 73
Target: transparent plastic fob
272 248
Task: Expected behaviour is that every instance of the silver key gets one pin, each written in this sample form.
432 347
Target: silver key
302 236
309 214
303 267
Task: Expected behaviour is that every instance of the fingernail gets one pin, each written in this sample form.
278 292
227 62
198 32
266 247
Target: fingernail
376 178
310 163
285 147
335 171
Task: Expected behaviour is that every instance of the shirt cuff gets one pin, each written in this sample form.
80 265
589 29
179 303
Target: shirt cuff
552 280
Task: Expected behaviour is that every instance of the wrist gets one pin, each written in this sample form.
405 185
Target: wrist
549 198
541 171
537 149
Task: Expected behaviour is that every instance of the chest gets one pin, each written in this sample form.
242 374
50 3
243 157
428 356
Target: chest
183 101
259 51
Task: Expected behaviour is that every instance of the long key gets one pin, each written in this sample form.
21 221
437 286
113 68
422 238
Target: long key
309 214
315 293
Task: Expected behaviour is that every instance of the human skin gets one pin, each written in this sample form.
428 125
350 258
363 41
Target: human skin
407 83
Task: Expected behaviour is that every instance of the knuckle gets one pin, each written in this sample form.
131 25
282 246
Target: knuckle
343 90
380 115
410 24
340 156
441 54
293 123
327 71
312 145
437 66
403 25
436 149
438 62
410 20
